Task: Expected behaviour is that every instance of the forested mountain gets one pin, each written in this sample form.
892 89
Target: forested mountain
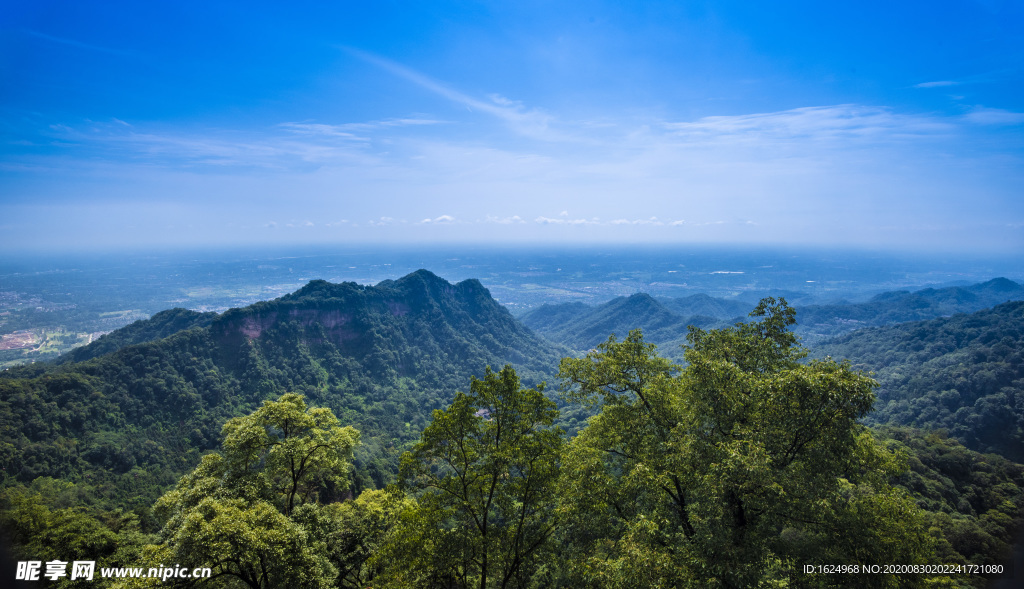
582 327
665 320
963 374
976 500
159 326
707 306
727 468
129 422
820 321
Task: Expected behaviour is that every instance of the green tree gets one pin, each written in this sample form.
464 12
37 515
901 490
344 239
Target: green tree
353 533
732 472
487 468
290 453
233 512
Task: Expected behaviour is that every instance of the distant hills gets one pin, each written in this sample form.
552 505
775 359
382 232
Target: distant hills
665 320
133 410
820 321
583 327
962 374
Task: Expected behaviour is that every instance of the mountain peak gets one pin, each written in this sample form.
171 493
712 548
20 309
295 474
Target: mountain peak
423 275
636 302
999 285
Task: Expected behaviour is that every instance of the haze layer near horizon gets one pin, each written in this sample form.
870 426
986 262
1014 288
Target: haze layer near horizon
215 279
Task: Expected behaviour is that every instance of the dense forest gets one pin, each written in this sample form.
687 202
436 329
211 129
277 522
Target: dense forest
129 421
963 375
319 440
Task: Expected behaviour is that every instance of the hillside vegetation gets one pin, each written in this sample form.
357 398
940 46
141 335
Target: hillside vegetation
963 375
261 442
127 423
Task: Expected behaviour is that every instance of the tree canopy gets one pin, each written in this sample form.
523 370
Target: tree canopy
234 512
484 471
732 471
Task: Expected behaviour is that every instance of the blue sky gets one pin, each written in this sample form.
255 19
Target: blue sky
137 124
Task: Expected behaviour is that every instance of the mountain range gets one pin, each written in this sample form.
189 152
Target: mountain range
665 321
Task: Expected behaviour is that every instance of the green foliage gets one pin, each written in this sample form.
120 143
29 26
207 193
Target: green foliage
963 374
159 326
48 521
582 328
130 422
732 472
353 534
292 452
486 469
233 512
975 502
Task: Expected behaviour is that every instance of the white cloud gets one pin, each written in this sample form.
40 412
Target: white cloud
563 221
321 129
514 219
79 44
439 219
648 221
533 123
120 141
994 116
818 172
937 84
818 123
345 130
407 122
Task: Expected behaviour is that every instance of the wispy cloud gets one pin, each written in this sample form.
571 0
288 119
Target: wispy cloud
816 123
77 44
937 84
634 177
306 144
406 122
981 78
533 123
994 116
346 130
322 129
